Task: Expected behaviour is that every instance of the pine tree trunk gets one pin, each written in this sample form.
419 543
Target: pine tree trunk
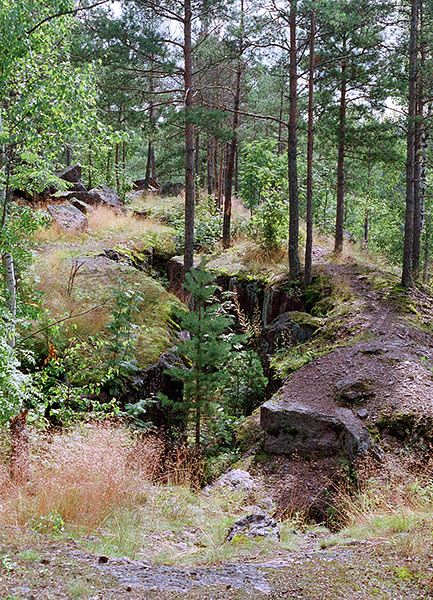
280 124
230 161
366 218
425 272
149 163
294 264
124 158
237 170
419 138
197 166
108 165
406 277
339 223
215 168
310 147
197 428
209 167
189 140
68 156
220 176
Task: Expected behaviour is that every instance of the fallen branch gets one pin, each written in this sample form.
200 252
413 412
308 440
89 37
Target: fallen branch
71 316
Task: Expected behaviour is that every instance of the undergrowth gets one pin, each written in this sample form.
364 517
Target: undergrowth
120 494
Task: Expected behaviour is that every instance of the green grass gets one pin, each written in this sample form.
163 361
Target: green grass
176 525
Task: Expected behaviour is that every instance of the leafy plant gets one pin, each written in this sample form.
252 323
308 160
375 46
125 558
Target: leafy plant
207 227
262 171
270 222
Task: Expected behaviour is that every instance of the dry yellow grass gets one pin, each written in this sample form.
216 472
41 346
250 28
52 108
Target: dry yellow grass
81 476
108 225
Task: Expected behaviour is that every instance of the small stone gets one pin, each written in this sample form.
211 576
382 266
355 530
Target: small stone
362 413
102 560
255 525
237 479
372 349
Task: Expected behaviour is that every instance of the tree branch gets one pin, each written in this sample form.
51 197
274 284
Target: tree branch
73 11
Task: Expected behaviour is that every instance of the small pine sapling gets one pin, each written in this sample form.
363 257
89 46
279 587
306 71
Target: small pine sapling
206 350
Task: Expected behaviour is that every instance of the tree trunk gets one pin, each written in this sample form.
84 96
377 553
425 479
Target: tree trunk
237 170
68 156
149 163
7 259
220 176
89 180
124 158
108 165
215 169
406 278
425 273
280 124
310 147
197 428
209 167
294 264
189 140
339 223
419 139
230 161
197 166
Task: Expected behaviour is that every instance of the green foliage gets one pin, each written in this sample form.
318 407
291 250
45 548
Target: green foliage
270 222
206 349
72 378
246 385
15 386
262 170
51 523
207 227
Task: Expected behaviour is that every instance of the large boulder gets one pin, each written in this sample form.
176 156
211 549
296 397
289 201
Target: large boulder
255 525
82 206
79 186
104 196
236 479
139 259
139 184
171 188
68 217
147 384
288 329
292 427
71 174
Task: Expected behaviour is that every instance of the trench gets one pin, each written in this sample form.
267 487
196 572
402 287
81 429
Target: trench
266 308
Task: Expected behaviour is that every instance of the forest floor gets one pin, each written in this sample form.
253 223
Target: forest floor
388 558
36 567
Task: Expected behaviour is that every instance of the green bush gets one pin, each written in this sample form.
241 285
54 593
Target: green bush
270 223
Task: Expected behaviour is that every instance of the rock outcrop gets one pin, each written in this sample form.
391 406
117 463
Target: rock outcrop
296 428
171 188
68 217
71 174
255 525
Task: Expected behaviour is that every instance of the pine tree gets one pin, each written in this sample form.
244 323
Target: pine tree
206 349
